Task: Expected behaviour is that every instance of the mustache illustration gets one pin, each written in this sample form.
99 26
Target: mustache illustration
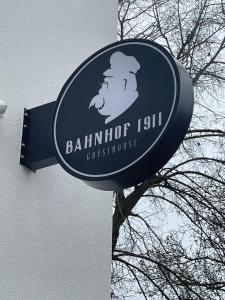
97 102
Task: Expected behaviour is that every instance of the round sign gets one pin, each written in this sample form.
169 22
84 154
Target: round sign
122 114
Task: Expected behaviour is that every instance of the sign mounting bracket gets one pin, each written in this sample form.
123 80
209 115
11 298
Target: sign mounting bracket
37 148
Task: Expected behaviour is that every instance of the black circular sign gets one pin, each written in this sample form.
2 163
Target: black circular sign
122 114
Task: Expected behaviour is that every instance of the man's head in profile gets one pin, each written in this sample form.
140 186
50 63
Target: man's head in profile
119 89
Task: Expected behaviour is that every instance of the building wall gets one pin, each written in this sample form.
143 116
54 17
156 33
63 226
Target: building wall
55 232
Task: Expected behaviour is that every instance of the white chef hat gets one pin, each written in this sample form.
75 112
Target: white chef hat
122 64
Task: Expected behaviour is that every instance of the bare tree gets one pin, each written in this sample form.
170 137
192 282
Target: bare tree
185 260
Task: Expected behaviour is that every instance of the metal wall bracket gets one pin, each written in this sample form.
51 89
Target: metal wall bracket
37 148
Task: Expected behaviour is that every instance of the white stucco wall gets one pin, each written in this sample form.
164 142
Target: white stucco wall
55 232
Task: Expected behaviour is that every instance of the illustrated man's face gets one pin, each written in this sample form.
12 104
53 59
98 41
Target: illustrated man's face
119 89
